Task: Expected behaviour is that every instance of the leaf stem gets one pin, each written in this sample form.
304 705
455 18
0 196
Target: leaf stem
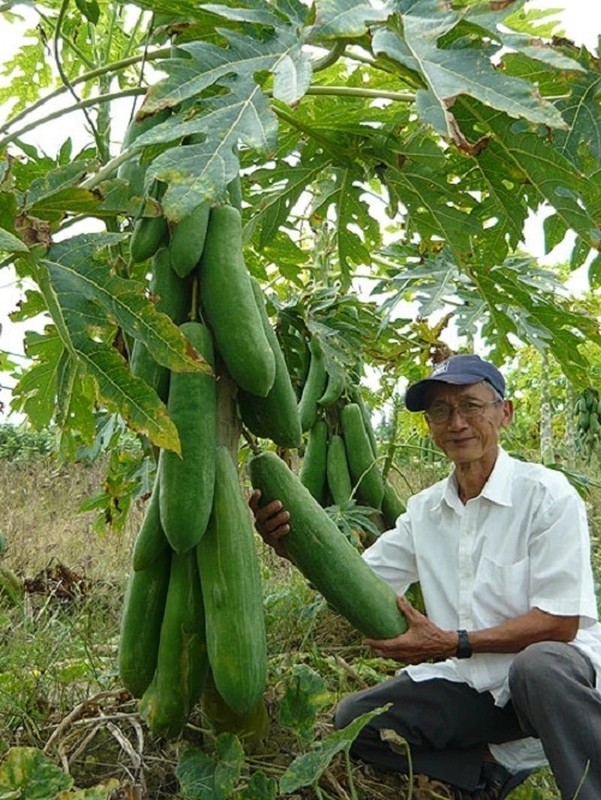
331 57
116 66
349 772
90 101
356 91
283 114
63 75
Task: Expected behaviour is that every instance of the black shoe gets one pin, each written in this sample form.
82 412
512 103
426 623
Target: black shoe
497 782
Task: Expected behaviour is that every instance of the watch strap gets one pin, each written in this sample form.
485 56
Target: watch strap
464 646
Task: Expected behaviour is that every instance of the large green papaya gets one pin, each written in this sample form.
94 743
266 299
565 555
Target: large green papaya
186 482
141 621
230 578
230 307
182 665
326 557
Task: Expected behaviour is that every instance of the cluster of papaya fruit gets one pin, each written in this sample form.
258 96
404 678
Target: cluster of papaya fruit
588 416
193 627
341 457
192 624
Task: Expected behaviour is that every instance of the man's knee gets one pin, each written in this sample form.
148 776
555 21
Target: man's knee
539 666
346 711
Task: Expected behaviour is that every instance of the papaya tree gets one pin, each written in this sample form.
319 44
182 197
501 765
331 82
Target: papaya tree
277 158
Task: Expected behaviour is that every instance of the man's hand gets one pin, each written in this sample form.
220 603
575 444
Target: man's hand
271 522
422 641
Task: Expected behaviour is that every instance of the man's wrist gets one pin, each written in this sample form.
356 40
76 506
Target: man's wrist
464 646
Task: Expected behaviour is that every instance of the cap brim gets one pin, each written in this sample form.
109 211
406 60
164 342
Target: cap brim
415 397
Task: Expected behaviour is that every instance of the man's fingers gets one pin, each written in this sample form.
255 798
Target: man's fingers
277 525
274 518
408 610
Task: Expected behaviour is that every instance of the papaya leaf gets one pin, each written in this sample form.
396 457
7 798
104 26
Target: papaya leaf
450 72
346 18
86 302
516 290
24 74
55 181
513 299
35 391
73 200
129 396
239 114
199 172
283 185
75 405
26 773
9 243
89 294
582 110
523 155
308 768
537 50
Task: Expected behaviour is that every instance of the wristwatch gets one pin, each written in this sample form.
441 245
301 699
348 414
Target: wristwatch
464 647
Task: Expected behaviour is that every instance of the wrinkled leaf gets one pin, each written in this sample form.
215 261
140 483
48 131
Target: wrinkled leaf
84 286
27 774
450 72
204 778
306 694
260 787
35 391
308 768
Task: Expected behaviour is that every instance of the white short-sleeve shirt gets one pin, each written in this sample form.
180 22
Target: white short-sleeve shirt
522 543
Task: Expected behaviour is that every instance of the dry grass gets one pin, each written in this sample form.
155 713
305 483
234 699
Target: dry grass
41 522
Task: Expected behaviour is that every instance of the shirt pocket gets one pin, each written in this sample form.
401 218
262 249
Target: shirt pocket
501 591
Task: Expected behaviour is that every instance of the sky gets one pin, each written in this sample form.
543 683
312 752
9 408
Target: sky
581 20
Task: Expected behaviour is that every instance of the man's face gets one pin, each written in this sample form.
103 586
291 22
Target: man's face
474 434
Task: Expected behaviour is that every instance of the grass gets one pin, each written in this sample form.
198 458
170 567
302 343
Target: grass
59 690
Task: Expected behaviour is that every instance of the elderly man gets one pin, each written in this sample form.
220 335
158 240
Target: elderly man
503 669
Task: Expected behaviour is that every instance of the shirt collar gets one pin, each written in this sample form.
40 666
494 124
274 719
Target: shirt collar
497 488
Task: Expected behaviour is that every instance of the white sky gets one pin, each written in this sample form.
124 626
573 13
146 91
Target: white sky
581 20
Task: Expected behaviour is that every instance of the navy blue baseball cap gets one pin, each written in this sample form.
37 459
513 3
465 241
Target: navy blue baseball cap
459 370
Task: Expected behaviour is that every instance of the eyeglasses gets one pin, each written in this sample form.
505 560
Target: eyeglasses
469 409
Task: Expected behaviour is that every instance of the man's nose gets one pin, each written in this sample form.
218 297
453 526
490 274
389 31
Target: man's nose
456 418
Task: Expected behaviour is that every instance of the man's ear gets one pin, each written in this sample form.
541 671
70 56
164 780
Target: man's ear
507 413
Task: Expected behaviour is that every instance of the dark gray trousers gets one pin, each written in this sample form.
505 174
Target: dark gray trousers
448 725
554 696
